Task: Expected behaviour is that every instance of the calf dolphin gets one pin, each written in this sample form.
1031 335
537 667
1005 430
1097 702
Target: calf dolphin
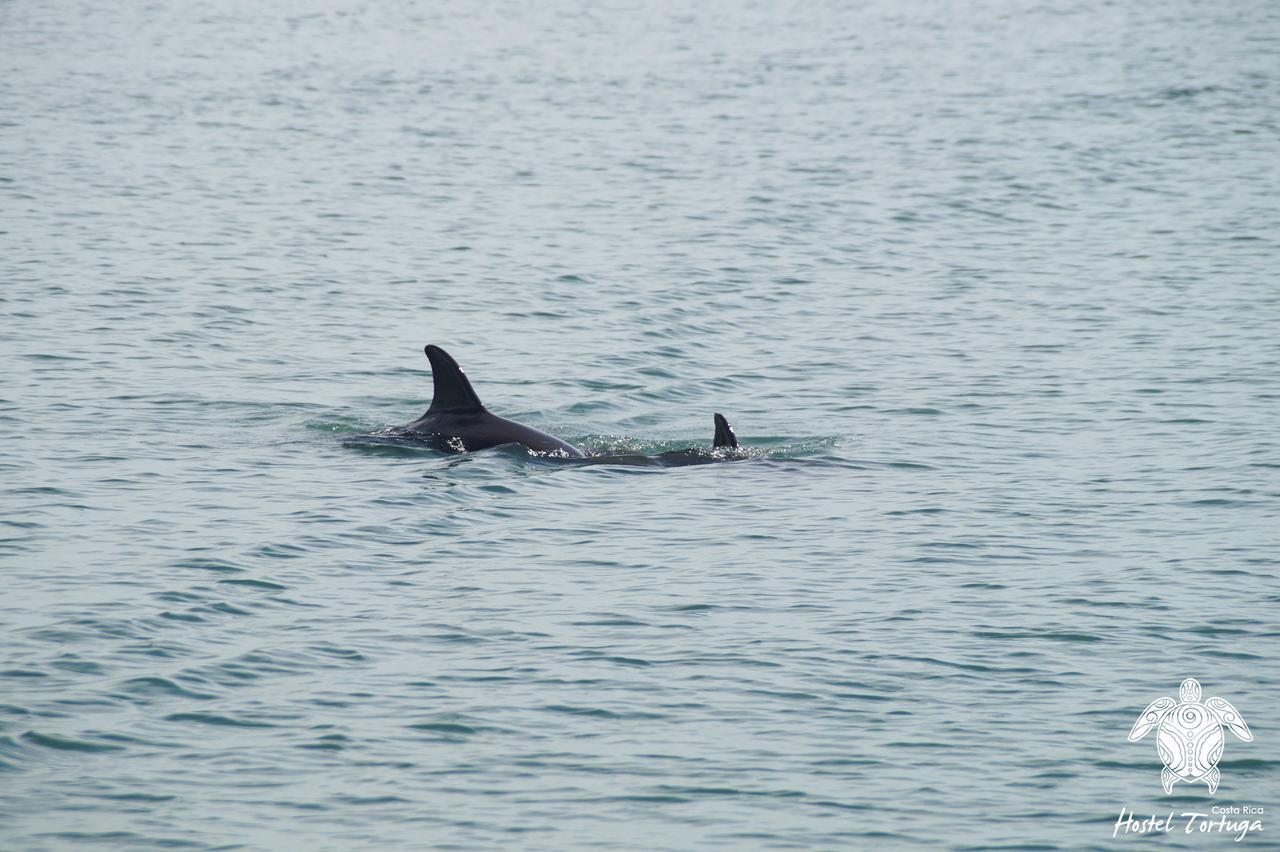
458 422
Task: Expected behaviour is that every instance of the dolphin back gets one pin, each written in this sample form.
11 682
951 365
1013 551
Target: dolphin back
458 422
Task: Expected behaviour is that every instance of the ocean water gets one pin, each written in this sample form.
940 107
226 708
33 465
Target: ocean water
988 289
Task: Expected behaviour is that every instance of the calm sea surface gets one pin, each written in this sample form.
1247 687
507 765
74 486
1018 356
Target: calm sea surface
990 289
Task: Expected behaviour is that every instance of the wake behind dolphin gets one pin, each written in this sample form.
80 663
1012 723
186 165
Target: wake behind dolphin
458 422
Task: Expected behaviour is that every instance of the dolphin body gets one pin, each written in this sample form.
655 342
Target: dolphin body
458 422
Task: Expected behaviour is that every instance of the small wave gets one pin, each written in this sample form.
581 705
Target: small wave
60 743
216 719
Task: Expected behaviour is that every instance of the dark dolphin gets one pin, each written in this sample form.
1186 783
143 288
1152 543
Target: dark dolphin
458 422
724 448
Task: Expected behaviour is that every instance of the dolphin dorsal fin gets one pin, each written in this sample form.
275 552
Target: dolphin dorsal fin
724 433
452 391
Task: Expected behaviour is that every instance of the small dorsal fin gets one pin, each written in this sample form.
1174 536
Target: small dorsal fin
452 391
724 433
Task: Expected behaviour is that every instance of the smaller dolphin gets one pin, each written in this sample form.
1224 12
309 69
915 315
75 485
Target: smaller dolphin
724 448
458 422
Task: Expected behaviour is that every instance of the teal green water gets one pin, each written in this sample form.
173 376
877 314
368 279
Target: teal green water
989 290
